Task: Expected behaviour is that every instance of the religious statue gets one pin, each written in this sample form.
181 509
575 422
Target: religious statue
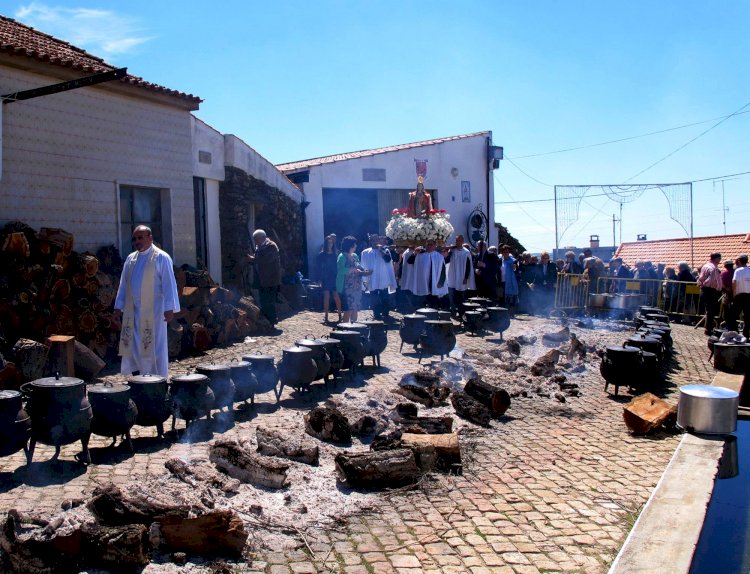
420 202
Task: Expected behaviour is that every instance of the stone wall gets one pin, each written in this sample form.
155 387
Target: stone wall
240 197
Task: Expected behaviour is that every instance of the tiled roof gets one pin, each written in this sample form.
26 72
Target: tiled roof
672 251
295 165
17 39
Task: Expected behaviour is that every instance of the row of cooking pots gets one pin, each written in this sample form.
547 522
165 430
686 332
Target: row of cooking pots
616 301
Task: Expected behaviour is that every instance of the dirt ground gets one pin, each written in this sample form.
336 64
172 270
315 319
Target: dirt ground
550 486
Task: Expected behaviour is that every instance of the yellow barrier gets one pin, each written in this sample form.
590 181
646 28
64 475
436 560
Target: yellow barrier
571 292
680 298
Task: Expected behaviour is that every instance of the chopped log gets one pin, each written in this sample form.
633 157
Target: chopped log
60 290
190 297
241 463
201 340
497 399
557 337
427 425
406 410
87 322
175 333
10 377
116 547
193 473
87 362
100 344
648 412
88 264
328 424
16 244
545 365
64 323
217 532
248 305
31 358
61 358
427 396
378 469
470 409
115 507
446 447
54 240
284 444
219 295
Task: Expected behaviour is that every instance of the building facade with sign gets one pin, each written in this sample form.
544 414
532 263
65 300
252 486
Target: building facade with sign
354 193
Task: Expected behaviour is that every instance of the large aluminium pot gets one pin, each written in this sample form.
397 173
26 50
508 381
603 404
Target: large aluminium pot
598 300
15 423
60 414
150 393
705 409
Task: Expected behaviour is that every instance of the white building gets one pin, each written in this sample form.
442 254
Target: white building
354 193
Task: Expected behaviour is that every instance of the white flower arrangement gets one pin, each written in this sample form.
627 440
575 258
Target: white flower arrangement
405 230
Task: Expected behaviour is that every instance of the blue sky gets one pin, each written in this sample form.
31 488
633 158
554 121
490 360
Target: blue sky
300 79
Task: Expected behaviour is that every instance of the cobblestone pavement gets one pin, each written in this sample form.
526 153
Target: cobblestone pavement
551 488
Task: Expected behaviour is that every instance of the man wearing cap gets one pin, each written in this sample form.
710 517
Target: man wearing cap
709 280
741 293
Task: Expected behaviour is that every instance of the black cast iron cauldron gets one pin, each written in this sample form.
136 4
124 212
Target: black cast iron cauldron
472 321
429 313
60 414
266 374
621 366
444 315
647 343
378 339
114 411
297 368
333 348
732 357
319 355
15 423
364 332
412 326
438 338
150 393
244 381
220 380
498 319
468 306
352 347
192 397
483 302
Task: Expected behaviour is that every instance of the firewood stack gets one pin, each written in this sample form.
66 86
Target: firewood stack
48 288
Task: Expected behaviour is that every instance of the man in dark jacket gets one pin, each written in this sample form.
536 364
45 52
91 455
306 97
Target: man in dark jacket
543 285
267 273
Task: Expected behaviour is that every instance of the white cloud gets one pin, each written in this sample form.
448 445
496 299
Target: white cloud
102 32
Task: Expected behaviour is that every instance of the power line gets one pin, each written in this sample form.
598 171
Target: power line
526 174
630 137
519 207
683 146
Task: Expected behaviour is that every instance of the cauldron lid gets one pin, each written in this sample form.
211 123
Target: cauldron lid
309 343
644 339
623 349
648 355
54 382
146 379
426 311
257 357
109 389
328 341
350 326
211 367
9 395
374 323
239 365
302 350
414 316
190 378
497 308
438 322
472 313
343 333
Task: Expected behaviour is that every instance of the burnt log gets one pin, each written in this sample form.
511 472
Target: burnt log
384 468
545 365
117 548
115 507
31 358
647 412
199 337
426 425
283 444
328 424
87 362
16 244
194 473
218 532
241 463
491 396
470 409
447 450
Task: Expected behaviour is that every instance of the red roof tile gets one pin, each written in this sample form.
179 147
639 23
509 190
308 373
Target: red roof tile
295 165
672 251
17 39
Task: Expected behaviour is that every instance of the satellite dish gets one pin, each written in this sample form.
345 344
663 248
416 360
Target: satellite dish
477 226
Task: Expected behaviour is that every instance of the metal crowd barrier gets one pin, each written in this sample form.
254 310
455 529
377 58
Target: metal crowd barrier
678 298
571 292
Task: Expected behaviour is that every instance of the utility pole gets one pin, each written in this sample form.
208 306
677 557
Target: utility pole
724 208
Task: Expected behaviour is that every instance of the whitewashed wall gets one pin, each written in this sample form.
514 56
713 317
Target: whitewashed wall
468 156
64 156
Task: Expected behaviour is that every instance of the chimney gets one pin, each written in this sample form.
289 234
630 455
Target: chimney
594 241
641 237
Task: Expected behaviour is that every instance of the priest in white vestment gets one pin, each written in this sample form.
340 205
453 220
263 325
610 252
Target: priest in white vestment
460 274
382 282
147 297
429 275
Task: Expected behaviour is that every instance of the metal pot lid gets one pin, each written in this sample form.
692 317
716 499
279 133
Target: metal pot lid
328 341
193 378
729 344
473 313
426 311
146 379
414 316
502 309
53 382
708 392
648 355
438 322
352 326
297 351
374 323
344 333
6 395
623 350
309 343
257 357
239 365
212 367
643 339
109 389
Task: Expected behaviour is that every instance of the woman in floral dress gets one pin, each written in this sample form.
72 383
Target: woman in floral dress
349 279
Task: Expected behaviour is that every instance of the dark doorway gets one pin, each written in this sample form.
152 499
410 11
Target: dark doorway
350 212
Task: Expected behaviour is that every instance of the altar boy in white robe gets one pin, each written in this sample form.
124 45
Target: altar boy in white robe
429 275
382 283
147 298
460 274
